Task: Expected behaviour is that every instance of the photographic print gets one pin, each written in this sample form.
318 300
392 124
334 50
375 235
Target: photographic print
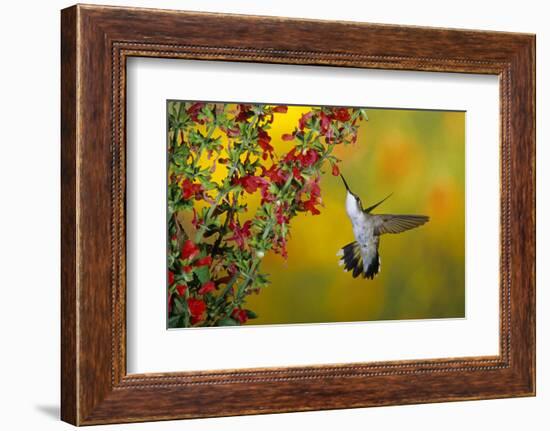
281 214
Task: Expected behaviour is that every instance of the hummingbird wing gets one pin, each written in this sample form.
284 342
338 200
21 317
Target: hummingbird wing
369 209
391 223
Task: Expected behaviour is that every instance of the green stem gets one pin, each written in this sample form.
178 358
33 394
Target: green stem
227 188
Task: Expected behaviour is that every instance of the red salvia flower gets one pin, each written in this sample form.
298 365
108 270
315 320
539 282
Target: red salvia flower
282 109
314 188
309 205
282 244
170 278
240 234
309 157
280 215
304 119
335 170
232 133
189 250
325 123
329 136
203 261
190 190
267 197
197 307
306 158
207 287
181 288
194 110
264 142
251 183
275 174
287 137
297 174
341 114
240 316
244 113
224 280
232 269
290 156
280 247
187 269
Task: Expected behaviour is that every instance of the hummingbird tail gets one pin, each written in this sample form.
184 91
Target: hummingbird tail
373 268
352 261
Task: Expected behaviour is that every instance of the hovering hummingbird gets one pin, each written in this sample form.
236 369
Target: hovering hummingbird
361 256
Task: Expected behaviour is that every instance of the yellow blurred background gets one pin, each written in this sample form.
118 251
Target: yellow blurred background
419 156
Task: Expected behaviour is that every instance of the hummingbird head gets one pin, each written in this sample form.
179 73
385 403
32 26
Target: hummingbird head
353 203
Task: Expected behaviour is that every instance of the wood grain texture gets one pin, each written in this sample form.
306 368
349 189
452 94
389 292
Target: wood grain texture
96 41
69 397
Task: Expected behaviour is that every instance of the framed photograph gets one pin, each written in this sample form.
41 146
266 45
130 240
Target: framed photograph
253 205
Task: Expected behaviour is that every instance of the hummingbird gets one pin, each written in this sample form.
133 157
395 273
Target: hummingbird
361 256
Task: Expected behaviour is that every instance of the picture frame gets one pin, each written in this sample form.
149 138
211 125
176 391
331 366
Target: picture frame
96 42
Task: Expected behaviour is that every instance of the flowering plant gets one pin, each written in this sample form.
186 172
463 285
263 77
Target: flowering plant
219 156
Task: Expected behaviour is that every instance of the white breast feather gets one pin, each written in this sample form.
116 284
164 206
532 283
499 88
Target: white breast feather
362 230
353 210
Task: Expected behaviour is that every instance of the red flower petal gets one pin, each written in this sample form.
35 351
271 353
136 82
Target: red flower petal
335 170
282 109
290 156
341 114
194 110
304 119
189 250
309 205
181 288
251 183
232 133
297 174
204 261
209 286
244 113
224 280
264 142
240 316
287 137
197 307
325 123
240 234
170 277
308 158
189 189
276 174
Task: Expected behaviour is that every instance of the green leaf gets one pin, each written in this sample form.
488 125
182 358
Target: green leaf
179 305
174 322
227 321
203 273
251 314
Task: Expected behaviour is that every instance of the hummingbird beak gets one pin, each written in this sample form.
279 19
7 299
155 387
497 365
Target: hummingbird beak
345 183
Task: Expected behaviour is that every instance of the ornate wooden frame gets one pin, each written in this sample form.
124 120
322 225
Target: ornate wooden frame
95 43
